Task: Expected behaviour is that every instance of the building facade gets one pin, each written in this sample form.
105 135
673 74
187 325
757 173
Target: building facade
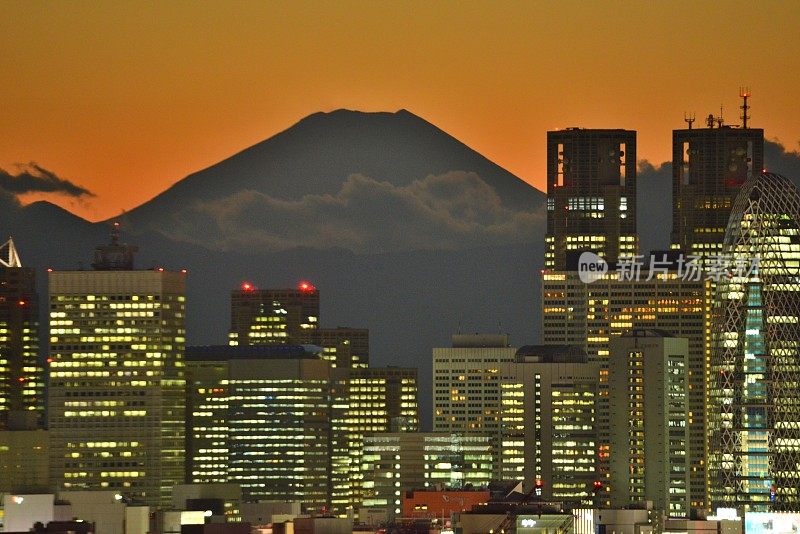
709 166
272 419
22 377
394 463
291 317
591 195
116 397
466 387
549 421
648 386
591 315
753 399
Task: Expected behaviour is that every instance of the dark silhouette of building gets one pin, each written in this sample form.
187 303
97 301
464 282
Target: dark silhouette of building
21 375
709 167
591 194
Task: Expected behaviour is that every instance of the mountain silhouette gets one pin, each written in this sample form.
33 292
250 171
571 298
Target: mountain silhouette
317 155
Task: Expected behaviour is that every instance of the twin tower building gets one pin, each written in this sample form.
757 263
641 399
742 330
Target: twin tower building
728 289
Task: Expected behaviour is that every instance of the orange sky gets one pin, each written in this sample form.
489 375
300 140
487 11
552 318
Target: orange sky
126 98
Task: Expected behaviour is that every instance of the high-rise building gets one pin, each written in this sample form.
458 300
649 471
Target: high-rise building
709 166
549 422
753 393
116 397
273 316
380 399
343 346
291 316
271 419
591 195
21 375
466 387
648 414
394 463
591 315
384 399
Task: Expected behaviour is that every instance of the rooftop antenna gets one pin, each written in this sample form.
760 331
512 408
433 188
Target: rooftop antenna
688 119
11 257
710 120
720 120
744 94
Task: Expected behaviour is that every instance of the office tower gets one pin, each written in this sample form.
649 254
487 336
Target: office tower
21 374
466 386
394 463
753 395
380 399
549 422
272 419
590 315
273 316
116 403
343 346
591 195
709 166
291 316
384 399
648 414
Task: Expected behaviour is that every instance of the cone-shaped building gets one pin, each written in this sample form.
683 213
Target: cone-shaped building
754 372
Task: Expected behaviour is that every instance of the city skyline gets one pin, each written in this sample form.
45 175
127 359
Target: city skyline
133 104
470 268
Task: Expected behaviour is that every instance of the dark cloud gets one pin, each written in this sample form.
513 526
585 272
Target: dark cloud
782 161
450 211
32 178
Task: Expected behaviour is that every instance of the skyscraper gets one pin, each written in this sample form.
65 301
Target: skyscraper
466 387
591 195
648 414
549 422
753 394
273 316
291 316
116 403
591 315
21 374
272 419
380 399
709 166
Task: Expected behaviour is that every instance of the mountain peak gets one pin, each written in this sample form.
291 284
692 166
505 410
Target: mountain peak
316 156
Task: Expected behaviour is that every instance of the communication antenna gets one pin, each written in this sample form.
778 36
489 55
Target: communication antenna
720 120
688 119
10 257
710 120
744 94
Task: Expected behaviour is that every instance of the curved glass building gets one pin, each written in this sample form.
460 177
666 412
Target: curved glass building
754 373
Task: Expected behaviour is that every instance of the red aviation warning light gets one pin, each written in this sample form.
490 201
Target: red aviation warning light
247 286
306 287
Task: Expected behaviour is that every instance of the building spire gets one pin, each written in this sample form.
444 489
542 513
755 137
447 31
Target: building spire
8 254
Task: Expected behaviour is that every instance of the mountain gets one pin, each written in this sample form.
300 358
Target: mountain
318 154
